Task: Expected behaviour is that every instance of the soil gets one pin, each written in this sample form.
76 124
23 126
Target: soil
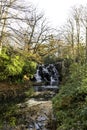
9 90
5 86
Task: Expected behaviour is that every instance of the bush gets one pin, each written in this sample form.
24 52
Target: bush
70 104
29 68
14 66
49 59
10 65
4 60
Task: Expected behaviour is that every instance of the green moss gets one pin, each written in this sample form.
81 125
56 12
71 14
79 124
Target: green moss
30 92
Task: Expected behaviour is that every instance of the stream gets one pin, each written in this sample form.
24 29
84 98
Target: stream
38 109
40 104
36 113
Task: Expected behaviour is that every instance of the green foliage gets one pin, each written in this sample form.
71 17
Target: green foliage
30 92
10 65
8 114
13 66
13 121
49 59
4 59
29 68
70 104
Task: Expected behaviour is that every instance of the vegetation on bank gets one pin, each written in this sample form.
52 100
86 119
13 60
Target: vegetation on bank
11 114
70 104
14 66
16 69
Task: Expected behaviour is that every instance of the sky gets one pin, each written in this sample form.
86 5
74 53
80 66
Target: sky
57 11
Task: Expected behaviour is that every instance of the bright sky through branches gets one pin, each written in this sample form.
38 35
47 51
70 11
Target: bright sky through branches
57 11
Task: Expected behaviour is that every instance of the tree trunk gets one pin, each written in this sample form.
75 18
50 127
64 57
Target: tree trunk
86 44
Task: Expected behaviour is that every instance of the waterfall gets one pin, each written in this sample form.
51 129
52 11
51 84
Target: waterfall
47 74
37 76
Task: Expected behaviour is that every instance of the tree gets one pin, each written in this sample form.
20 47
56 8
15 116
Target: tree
68 35
37 31
84 22
72 32
77 15
11 15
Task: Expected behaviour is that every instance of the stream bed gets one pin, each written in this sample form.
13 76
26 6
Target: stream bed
35 113
39 109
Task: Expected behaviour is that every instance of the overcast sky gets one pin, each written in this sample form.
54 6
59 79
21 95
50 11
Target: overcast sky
57 11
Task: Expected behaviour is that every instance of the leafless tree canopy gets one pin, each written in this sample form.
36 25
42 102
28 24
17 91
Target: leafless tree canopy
22 25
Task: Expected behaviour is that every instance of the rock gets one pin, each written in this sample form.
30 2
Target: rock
37 126
22 105
46 88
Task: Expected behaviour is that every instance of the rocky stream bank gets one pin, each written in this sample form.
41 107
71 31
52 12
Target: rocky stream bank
33 113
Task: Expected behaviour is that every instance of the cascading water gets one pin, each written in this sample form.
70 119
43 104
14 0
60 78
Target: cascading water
47 79
47 74
37 76
37 111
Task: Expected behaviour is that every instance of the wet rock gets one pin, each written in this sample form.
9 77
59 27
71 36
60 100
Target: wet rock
47 74
36 113
46 88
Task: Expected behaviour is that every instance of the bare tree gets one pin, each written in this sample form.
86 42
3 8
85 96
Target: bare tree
11 16
71 32
37 32
67 37
77 16
84 22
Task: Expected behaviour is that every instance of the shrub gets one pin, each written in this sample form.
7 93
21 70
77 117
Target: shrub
29 68
70 104
13 66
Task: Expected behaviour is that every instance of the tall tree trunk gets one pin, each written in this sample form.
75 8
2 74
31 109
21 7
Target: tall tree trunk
86 44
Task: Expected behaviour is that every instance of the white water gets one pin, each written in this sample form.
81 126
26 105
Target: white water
37 76
47 74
